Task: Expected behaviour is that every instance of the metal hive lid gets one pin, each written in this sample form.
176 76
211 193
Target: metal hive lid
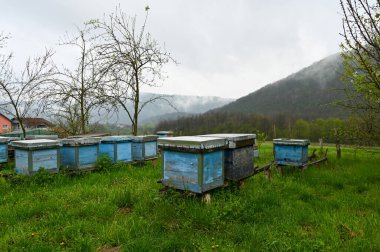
285 141
4 139
114 139
164 132
193 142
51 137
146 138
233 138
36 143
80 141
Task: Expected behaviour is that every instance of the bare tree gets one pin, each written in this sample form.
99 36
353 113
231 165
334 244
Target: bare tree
77 92
361 59
67 119
132 59
21 94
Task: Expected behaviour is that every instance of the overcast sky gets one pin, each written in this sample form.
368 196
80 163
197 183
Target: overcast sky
225 48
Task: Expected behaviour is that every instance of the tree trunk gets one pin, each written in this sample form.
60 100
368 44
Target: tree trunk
337 143
137 100
22 128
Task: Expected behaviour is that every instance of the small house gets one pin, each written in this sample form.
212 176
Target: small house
5 124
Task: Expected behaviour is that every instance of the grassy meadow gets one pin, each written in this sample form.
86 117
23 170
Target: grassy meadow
333 207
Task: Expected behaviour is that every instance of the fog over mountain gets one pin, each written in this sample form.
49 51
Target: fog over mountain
307 93
170 107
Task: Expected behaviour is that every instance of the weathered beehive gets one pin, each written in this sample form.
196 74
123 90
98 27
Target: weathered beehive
4 149
162 134
193 163
79 153
144 147
31 155
238 157
291 152
118 148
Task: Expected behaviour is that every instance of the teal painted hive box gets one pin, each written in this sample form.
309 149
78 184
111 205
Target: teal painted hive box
79 153
31 155
144 147
193 163
292 152
4 149
238 156
118 148
162 134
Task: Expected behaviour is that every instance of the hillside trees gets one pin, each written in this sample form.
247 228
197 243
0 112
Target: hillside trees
361 54
21 93
132 58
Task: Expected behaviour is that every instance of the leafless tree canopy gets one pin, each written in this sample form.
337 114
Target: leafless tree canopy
77 91
132 59
22 93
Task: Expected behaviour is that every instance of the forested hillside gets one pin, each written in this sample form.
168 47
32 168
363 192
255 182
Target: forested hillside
272 126
305 94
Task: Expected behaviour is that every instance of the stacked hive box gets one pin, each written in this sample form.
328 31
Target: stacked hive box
118 148
4 149
238 157
31 155
193 163
162 134
291 152
80 153
144 147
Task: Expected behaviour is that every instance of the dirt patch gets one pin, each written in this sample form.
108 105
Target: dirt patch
109 249
125 210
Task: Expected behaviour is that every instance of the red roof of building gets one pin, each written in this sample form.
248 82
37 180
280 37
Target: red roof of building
31 122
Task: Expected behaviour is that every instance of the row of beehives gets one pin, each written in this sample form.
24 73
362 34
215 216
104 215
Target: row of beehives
76 153
202 163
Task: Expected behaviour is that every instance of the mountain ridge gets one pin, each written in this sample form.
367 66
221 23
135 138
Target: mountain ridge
307 93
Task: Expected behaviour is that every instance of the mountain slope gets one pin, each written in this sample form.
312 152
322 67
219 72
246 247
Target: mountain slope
307 93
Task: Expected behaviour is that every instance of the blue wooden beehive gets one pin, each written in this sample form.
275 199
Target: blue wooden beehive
238 157
291 152
4 149
162 134
79 153
144 147
31 155
118 148
193 163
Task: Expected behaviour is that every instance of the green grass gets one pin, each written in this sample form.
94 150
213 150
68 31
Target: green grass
334 207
